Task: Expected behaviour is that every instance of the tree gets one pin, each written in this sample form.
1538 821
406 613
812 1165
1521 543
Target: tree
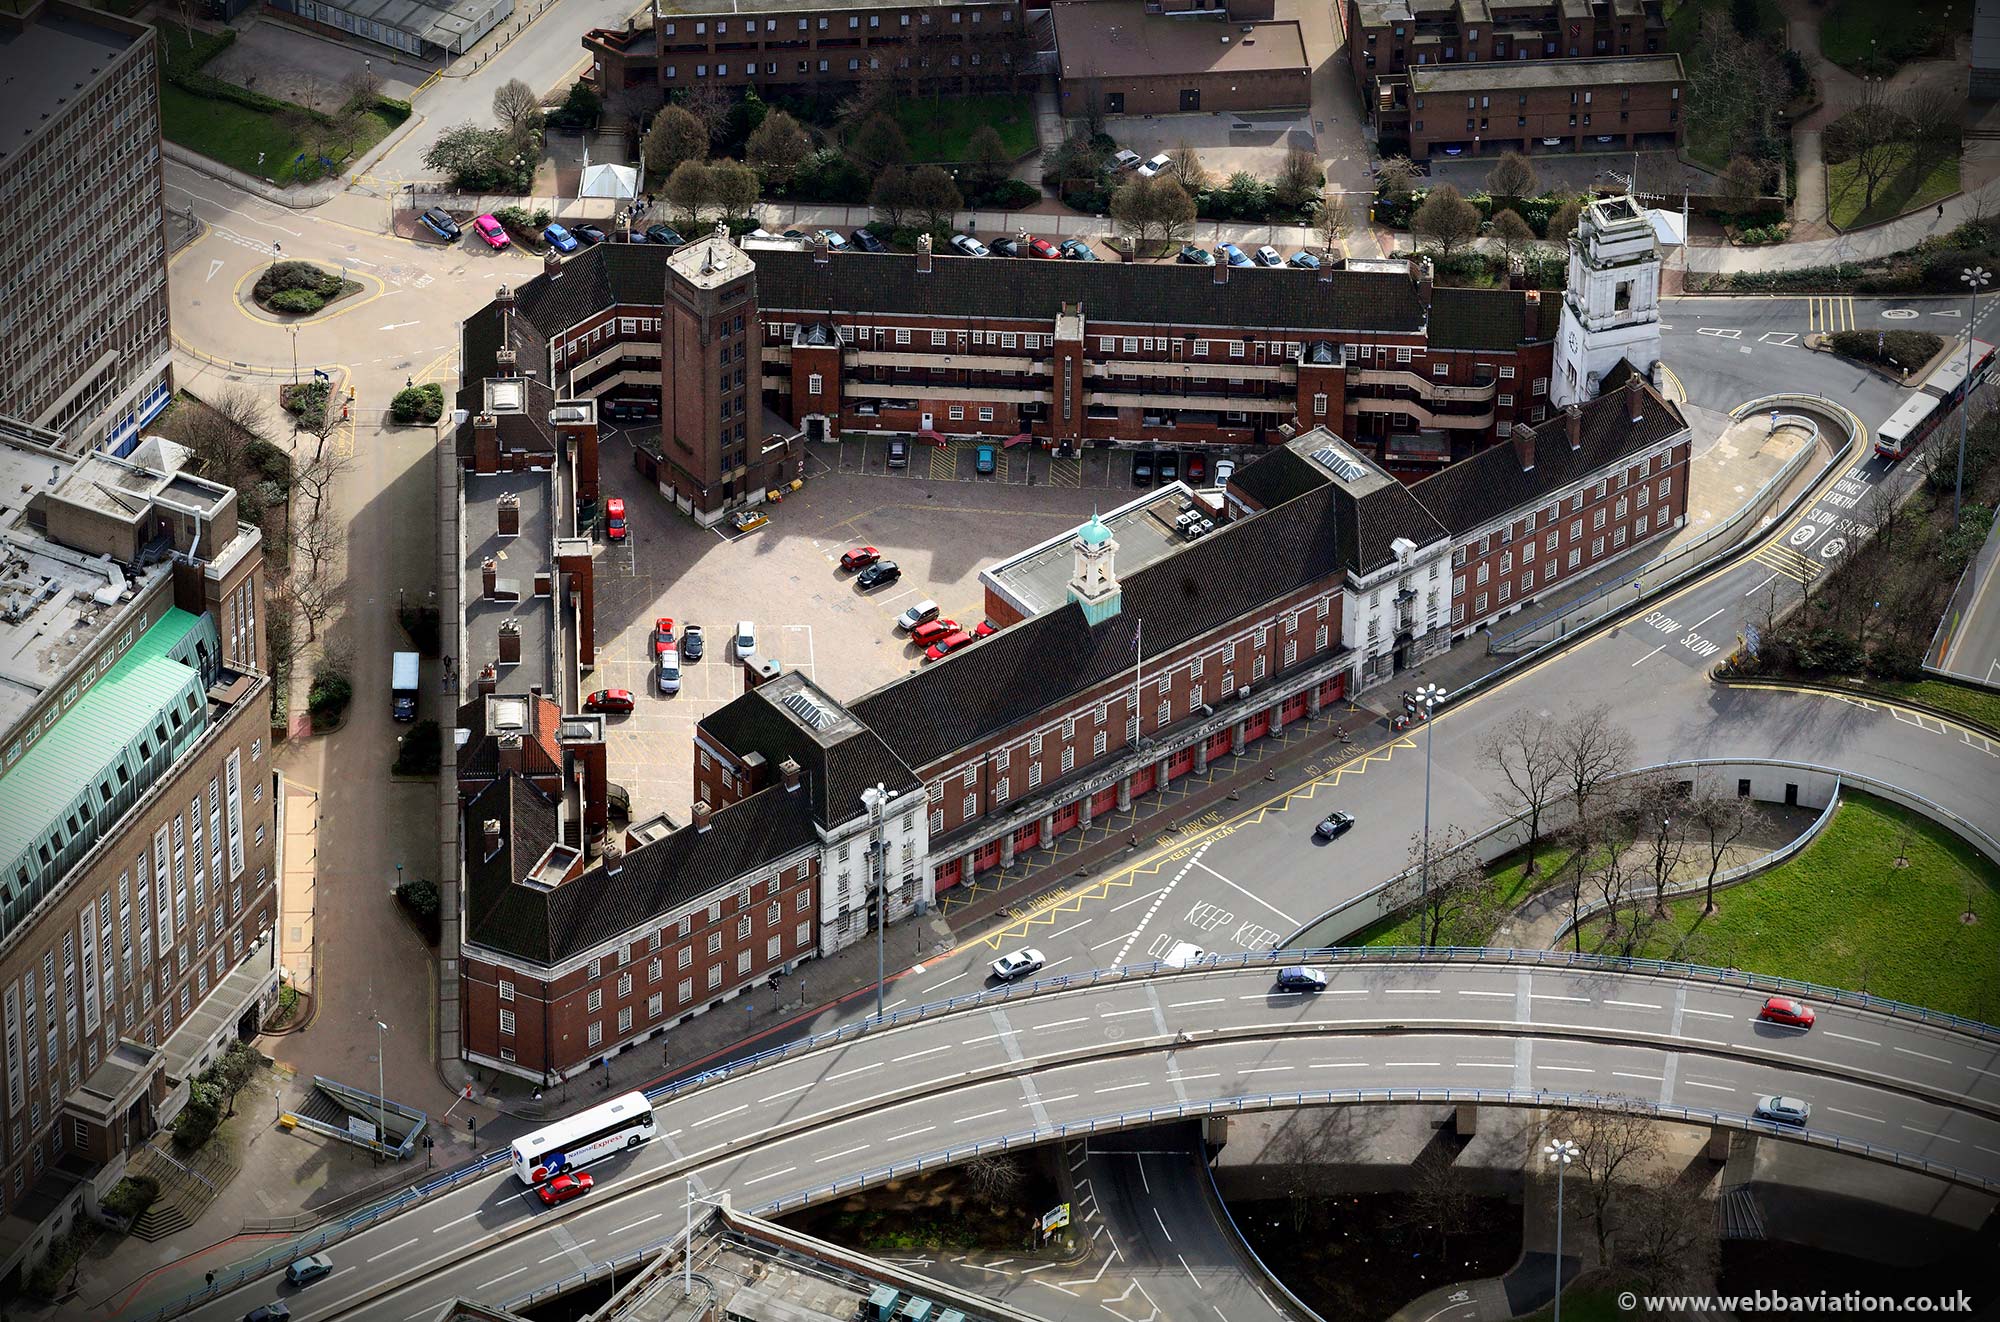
710 105
1156 210
233 1073
934 197
1396 178
986 158
1670 1230
1873 136
892 197
1512 233
690 188
1742 183
1332 218
879 143
1440 1194
1446 220
1523 751
1933 115
1450 896
517 108
674 138
1301 182
583 107
994 1176
1184 164
1075 160
777 147
734 187
1614 1147
1590 749
469 154
1511 177
1660 825
1720 818
1563 221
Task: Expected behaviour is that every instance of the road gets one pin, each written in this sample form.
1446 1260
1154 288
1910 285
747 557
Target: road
1972 645
1037 1061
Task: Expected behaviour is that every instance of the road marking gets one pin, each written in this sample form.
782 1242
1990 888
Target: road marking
1923 1055
1134 900
836 1156
1551 996
386 1252
1182 1005
1239 890
1339 1065
1113 1014
449 1224
975 1041
1061 1023
1409 1065
1190 1078
1163 1228
1715 1087
1828 1032
782 1092
1191 1276
1411 991
1505 996
1708 1014
1633 1005
897 1138
644 1220
497 1279
927 1051
1122 1087
1567 1069
983 1115
564 1254
1621 1074
1761 586
1486 1064
1930 1133
1066 1097
860 1069
712 1119
1650 655
1264 1069
1873 1119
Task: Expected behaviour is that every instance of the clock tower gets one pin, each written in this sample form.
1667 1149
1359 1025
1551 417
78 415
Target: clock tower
1611 310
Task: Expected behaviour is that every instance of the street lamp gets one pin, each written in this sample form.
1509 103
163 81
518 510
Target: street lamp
1429 698
1560 1153
295 353
381 1106
1974 277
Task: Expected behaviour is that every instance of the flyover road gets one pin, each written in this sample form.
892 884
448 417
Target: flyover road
1029 1062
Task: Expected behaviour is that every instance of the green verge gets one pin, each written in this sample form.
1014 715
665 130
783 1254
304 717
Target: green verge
1895 33
1914 182
1981 706
234 135
1842 914
940 129
1508 883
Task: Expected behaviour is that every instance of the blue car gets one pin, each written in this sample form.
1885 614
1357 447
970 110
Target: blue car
441 224
1232 254
559 238
982 460
1304 260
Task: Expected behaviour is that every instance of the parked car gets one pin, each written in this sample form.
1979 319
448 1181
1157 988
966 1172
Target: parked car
1018 964
1005 246
1232 254
1454 150
748 520
746 640
878 574
967 246
272 1312
590 235
1299 978
1142 471
565 1187
931 631
867 242
1607 137
663 634
307 1270
1224 470
795 234
691 642
916 615
985 629
664 234
635 236
441 224
833 239
492 231
946 645
1305 261
1552 142
1125 160
899 454
670 671
983 461
1268 256
1334 824
1785 1010
1076 250
1783 1110
859 558
1154 165
614 519
1043 248
1197 468
610 700
1169 467
559 238
1194 256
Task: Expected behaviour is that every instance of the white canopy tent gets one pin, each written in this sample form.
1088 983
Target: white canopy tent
620 183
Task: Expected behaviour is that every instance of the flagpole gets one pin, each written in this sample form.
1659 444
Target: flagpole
1138 669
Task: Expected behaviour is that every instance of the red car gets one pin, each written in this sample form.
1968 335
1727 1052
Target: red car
1043 248
931 631
609 700
948 644
614 519
859 558
663 635
985 629
1785 1010
565 1187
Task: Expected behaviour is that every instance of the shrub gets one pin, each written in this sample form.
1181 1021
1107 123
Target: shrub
331 691
420 898
296 275
295 300
1900 349
1006 195
421 752
197 1121
130 1197
424 403
269 462
307 401
1756 234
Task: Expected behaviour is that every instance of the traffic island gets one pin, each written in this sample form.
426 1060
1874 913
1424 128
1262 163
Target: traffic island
300 289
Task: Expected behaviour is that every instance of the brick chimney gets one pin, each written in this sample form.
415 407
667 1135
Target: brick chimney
492 836
489 577
552 264
510 751
702 814
1326 265
1531 317
504 359
507 514
488 681
1221 270
1574 416
1635 398
486 444
1524 447
505 297
923 254
789 771
822 251
1422 273
614 859
510 642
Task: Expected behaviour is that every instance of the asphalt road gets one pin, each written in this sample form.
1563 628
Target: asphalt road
1972 650
1727 350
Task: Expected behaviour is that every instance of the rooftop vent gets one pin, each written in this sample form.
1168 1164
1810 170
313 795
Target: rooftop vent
808 711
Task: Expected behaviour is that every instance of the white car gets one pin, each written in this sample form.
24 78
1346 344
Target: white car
1224 470
833 239
968 246
1268 256
746 641
1155 166
1124 160
1020 964
1783 1110
670 671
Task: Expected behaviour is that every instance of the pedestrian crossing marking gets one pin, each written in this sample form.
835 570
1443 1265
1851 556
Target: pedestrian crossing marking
1828 314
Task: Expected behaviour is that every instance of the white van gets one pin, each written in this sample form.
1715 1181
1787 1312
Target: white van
1185 954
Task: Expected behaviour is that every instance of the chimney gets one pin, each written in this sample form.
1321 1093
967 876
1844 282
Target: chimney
1531 319
489 577
1326 265
507 514
1222 270
923 254
1421 272
504 359
789 770
821 250
702 812
492 830
486 444
488 681
505 298
614 859
1635 398
1524 447
552 264
510 642
1574 416
510 752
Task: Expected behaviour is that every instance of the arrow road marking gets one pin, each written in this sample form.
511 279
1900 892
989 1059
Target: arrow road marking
398 325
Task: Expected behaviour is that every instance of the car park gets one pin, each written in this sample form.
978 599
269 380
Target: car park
1018 964
1005 246
1304 260
559 238
916 615
1232 254
565 1187
983 461
859 557
1299 978
946 645
273 1312
1785 1010
1076 250
867 242
1268 256
833 239
1043 248
589 235
931 631
1154 165
1194 256
307 1270
1124 159
748 520
692 642
664 234
967 246
746 640
614 519
1335 823
670 671
1782 1110
899 454
609 700
441 224
492 231
879 574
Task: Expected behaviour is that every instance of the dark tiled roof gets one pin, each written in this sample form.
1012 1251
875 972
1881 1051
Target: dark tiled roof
1277 476
1495 319
1478 490
835 775
1369 525
499 913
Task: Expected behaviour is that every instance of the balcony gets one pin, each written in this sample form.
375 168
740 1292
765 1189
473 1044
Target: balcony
911 390
940 361
1283 372
1155 400
1424 387
1423 416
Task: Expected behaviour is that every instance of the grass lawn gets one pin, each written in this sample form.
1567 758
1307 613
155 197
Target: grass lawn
1840 913
235 134
1914 182
1969 701
1900 32
1710 145
187 49
1586 1301
938 130
1510 885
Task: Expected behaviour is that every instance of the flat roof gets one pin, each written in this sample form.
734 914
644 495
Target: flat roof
45 62
1522 75
1119 39
439 22
519 558
1037 579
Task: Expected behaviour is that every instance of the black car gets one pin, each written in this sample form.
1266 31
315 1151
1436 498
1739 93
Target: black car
441 224
1005 246
882 571
272 1312
899 454
868 242
664 235
691 642
587 234
1334 824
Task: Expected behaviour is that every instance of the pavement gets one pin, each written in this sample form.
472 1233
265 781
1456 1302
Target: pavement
1968 644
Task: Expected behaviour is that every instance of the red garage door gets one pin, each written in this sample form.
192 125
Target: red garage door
1218 743
1334 689
987 856
1295 707
1142 780
948 874
1028 836
1180 763
1259 725
1068 817
1103 801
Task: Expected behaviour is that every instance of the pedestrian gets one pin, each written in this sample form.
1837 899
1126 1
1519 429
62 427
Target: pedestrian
1940 211
209 1280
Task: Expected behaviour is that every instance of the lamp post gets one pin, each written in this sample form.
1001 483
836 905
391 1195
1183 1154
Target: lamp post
1974 277
1560 1153
295 353
1428 698
381 1106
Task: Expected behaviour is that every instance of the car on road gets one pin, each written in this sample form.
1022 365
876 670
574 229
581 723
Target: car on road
1334 824
1268 256
985 629
307 1270
1043 248
1005 246
748 520
833 238
609 700
1299 978
1125 159
692 642
859 558
1782 1110
492 231
982 460
746 640
670 671
274 1312
663 634
664 234
590 235
916 615
1076 250
559 238
1018 964
931 631
1785 1010
614 519
899 454
967 246
441 224
867 242
946 645
1232 254
565 1187
1154 165
1305 261
1194 256
878 574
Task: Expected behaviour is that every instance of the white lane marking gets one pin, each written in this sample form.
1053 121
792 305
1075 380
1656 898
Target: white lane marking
953 978
846 1152
1264 1069
644 1220
1163 1225
927 1051
1858 1115
1633 1005
1761 586
497 1279
1190 1078
1709 1014
1866 1042
1567 1069
738 1110
772 1176
1113 1014
983 1115
1621 1074
1989 1073
1551 996
1412 991
1182 1005
1197 1283
975 1041
449 1224
861 1069
1251 894
1650 655
1066 1097
386 1252
1930 1133
1409 1065
1717 1087
1122 1087
1134 900
1122 936
897 1138
1061 1023
566 1252
1486 1064
1339 1065
785 1092
1923 1055
1507 996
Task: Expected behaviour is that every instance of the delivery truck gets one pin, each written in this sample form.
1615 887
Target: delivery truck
403 686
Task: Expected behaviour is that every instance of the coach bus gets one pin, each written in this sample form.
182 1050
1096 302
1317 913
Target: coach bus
1936 396
613 1126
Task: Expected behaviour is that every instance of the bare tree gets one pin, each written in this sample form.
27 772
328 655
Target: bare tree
1446 220
517 108
1184 164
1670 1235
1441 1194
1591 748
1450 896
1933 114
317 548
934 197
1523 750
891 198
1614 1147
319 462
994 1176
710 105
735 187
313 596
1511 177
1301 180
1332 218
1396 178
1660 825
778 147
1742 183
1874 135
1156 210
1511 232
690 188
1721 818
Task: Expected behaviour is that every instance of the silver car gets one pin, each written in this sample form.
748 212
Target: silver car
1782 1110
968 246
1019 964
670 671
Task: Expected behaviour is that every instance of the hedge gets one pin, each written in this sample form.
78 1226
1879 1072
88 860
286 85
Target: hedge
1903 349
424 403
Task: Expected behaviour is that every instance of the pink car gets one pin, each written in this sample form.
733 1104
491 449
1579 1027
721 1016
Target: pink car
492 231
